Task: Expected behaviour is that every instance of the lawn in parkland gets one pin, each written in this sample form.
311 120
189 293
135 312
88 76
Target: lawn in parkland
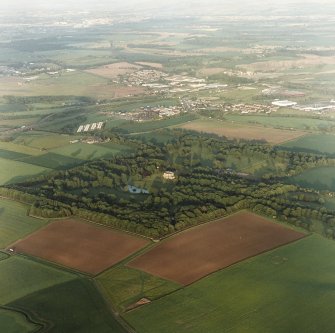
289 289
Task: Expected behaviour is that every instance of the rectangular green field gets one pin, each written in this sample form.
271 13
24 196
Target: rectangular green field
20 277
44 140
320 143
86 151
42 291
322 178
16 171
14 222
286 290
14 321
299 123
72 306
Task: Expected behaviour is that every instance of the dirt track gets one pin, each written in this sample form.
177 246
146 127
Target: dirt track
200 251
80 245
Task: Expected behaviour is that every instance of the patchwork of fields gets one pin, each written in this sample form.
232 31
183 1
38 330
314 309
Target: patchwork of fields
80 245
196 253
285 290
27 284
242 131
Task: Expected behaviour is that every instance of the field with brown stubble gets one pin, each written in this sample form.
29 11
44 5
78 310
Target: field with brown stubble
197 252
79 245
114 70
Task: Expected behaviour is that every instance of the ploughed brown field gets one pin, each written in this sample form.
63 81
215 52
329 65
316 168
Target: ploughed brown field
79 245
197 252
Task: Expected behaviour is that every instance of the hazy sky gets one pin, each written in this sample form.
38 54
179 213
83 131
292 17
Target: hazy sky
130 5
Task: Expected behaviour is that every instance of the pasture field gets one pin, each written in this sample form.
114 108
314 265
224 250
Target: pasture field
133 127
234 130
79 245
298 123
53 161
322 178
286 290
14 322
12 155
72 306
125 286
80 58
15 171
17 148
20 276
14 222
197 252
44 140
322 143
86 151
112 71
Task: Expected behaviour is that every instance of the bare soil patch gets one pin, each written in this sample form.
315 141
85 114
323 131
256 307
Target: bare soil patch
200 251
242 131
79 245
155 65
114 70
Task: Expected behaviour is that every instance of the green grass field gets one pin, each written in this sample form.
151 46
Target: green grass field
14 222
15 171
322 178
63 300
133 127
16 322
124 286
19 148
86 151
44 140
286 290
52 161
324 143
72 306
282 122
20 277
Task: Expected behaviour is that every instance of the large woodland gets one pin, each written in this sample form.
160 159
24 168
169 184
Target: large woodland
214 177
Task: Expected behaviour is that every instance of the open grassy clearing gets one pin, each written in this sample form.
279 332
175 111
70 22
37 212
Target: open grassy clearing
299 123
72 306
322 178
125 286
197 252
323 143
285 290
14 222
15 171
241 131
14 322
79 245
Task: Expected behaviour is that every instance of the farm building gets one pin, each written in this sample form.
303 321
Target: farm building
169 175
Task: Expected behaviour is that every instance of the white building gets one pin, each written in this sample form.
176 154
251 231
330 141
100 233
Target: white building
169 175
